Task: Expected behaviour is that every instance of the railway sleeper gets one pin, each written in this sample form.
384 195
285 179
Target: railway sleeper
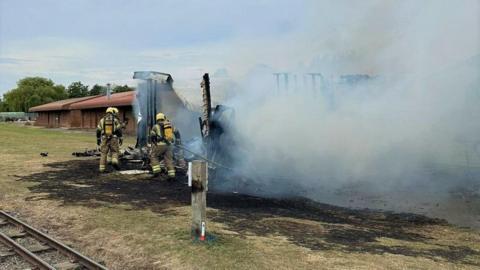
40 248
7 254
34 249
68 266
14 235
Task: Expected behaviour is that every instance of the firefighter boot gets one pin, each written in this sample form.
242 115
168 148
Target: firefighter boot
115 162
171 174
156 170
116 166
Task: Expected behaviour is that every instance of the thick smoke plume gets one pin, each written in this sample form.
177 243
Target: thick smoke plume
410 131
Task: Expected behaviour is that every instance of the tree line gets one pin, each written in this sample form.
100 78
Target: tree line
34 91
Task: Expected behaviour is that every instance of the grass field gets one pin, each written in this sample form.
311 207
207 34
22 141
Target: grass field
135 222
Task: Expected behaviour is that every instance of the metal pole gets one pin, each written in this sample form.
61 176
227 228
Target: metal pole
295 83
314 86
155 103
109 91
285 77
277 78
305 85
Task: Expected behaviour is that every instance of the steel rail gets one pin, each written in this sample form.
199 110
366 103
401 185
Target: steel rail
65 250
25 253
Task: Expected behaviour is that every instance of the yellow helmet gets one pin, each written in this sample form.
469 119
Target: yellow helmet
115 110
110 110
160 117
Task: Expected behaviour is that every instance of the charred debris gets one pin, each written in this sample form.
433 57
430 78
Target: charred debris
212 139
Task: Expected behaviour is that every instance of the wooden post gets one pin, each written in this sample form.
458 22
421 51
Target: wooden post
198 178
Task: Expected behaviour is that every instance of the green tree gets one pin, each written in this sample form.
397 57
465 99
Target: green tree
3 106
77 89
119 89
97 90
30 92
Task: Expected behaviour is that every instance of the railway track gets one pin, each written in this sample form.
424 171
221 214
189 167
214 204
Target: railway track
38 249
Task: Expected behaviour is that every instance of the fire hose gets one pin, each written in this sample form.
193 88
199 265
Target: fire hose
226 167
202 157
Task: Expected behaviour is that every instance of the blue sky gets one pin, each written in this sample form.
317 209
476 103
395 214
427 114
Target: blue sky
105 41
99 41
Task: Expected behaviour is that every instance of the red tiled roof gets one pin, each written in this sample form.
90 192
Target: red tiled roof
59 105
118 99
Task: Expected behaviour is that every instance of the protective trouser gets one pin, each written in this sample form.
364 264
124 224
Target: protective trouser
166 153
109 146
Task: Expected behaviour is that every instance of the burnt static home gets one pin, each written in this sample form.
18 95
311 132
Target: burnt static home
85 112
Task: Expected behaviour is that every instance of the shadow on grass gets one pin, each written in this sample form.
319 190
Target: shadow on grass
306 223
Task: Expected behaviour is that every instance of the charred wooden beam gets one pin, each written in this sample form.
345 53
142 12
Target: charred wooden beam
207 105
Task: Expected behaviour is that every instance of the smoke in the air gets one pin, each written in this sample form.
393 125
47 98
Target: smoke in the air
394 113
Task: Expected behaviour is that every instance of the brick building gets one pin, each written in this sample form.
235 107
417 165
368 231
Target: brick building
84 113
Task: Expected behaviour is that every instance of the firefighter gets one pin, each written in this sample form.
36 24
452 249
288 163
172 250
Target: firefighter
109 137
110 153
162 138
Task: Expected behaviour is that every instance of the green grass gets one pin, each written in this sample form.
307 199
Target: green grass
33 140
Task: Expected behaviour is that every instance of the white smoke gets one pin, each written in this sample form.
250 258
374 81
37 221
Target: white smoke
407 127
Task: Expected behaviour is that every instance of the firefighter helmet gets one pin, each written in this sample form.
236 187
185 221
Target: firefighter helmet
160 117
115 110
110 110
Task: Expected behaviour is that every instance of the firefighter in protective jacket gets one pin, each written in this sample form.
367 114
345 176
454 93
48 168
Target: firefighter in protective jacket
109 138
162 138
110 153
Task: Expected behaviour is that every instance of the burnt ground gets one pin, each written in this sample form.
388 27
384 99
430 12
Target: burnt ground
77 182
